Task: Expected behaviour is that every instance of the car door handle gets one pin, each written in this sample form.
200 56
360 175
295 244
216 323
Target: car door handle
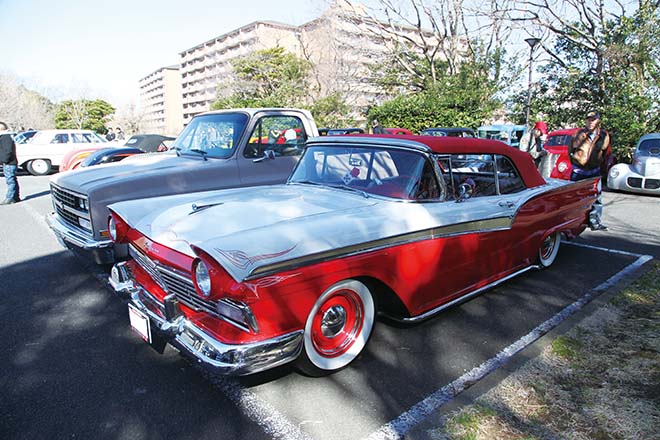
506 204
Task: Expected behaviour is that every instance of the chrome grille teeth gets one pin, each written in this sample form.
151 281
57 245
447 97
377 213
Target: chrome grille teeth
171 281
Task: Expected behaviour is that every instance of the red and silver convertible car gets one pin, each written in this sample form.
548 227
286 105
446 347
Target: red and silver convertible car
243 280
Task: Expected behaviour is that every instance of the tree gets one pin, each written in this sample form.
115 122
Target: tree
464 99
23 108
267 78
601 56
83 114
332 111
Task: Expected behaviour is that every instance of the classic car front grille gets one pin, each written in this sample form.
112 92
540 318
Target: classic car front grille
172 281
67 205
634 182
652 183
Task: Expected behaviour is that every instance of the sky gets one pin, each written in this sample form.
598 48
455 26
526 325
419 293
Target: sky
70 49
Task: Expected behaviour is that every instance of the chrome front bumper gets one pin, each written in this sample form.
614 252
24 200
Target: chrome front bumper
102 251
170 324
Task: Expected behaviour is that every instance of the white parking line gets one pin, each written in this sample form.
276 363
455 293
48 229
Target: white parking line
399 427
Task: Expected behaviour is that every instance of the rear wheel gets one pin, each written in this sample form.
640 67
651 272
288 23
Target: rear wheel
38 167
549 249
337 328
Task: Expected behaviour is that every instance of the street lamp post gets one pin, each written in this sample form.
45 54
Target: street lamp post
532 43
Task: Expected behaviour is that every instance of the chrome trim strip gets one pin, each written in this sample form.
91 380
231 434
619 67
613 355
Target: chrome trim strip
74 236
494 224
463 298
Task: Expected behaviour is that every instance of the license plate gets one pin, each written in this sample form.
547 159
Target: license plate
140 323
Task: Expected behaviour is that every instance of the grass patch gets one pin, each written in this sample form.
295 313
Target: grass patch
600 381
566 347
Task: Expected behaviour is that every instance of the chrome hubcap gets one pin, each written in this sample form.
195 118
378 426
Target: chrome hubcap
333 321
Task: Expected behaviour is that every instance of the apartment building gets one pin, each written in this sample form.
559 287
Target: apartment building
160 96
342 44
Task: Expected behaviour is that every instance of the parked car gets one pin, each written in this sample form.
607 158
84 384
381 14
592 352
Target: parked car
643 176
507 133
555 145
48 147
136 144
557 163
339 131
444 131
243 280
222 149
398 131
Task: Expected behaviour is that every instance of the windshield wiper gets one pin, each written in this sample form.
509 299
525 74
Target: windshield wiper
350 188
309 182
201 152
178 151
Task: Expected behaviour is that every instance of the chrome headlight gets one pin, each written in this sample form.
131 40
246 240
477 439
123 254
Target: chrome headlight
614 172
82 204
562 166
202 278
112 229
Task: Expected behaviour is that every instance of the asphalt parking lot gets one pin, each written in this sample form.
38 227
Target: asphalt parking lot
73 368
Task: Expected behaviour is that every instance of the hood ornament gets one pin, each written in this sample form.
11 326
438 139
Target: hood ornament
200 207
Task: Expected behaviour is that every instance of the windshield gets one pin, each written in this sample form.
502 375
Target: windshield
649 147
214 135
380 171
560 139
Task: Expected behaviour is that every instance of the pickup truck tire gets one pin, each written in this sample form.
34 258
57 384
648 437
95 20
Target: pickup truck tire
39 167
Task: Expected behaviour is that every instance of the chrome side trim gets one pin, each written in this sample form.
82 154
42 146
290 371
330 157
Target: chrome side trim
463 298
488 225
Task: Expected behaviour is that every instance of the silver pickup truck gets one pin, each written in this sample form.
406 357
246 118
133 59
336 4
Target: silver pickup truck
220 149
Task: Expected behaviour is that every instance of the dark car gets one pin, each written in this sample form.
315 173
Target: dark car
454 131
24 136
137 144
339 131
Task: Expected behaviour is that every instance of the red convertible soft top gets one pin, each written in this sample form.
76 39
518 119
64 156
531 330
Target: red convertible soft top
461 145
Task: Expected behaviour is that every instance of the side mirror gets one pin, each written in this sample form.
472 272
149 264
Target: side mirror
268 154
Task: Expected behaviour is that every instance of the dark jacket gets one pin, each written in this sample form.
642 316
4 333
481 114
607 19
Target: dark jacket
7 150
587 154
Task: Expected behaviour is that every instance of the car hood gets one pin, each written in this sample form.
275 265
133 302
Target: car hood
250 230
646 165
86 180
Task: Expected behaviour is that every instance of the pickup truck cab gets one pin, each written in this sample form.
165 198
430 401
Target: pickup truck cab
219 149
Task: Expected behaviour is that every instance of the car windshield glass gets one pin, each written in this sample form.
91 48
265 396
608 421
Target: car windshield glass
380 171
216 135
649 146
498 135
560 139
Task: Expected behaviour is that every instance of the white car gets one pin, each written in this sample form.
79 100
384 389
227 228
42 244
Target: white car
48 147
643 175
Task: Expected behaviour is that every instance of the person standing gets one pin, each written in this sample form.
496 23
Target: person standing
120 134
9 167
588 150
110 136
377 129
532 142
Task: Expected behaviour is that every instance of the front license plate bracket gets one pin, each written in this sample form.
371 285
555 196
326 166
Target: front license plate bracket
142 325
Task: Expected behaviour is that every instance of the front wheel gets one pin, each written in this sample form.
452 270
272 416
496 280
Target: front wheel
38 167
337 328
549 249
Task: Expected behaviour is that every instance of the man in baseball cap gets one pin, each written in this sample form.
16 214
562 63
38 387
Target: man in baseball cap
589 149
